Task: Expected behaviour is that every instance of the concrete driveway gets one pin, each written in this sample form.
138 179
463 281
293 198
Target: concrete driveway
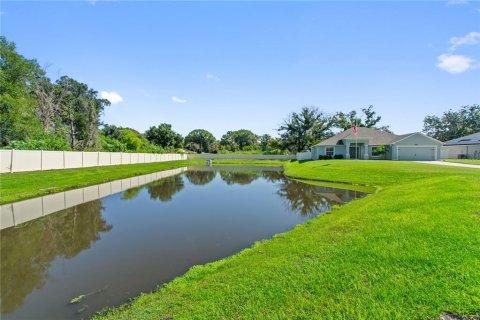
453 164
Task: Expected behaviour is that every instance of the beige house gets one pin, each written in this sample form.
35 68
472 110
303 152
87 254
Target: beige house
368 143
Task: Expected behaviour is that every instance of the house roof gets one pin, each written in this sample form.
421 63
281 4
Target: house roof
374 136
470 139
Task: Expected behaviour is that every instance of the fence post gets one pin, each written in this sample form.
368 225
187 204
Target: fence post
110 158
11 161
82 159
64 160
98 158
41 160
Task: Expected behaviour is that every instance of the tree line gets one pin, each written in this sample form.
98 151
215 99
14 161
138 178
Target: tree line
38 113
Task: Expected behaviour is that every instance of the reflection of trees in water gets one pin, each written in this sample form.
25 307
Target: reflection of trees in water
131 193
200 178
273 176
29 249
165 188
303 198
243 178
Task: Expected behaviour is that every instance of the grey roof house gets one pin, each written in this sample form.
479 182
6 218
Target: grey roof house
366 145
464 147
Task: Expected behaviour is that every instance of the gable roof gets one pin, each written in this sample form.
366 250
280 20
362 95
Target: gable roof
470 139
374 136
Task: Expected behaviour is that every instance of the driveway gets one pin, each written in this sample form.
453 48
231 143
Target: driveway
453 164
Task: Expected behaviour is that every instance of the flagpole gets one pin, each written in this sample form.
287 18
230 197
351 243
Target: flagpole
356 140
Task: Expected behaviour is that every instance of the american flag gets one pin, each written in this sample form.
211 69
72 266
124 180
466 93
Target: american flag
355 130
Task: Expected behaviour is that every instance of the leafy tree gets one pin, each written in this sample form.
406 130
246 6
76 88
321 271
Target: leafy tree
453 124
131 139
164 136
368 118
200 140
17 116
305 128
265 141
80 111
239 140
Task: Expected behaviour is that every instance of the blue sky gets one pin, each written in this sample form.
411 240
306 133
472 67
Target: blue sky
227 65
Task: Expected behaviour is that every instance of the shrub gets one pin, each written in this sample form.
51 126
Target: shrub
338 156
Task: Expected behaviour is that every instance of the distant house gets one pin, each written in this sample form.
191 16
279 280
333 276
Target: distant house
467 147
369 143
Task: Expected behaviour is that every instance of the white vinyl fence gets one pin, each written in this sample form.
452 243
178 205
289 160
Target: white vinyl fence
242 156
36 160
304 156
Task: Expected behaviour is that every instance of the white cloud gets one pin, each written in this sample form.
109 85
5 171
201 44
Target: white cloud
210 76
178 100
469 39
455 63
111 96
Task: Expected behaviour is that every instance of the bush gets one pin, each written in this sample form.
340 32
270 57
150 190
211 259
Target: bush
43 141
338 156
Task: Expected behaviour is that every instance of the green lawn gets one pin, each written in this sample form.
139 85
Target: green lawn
466 161
24 185
409 251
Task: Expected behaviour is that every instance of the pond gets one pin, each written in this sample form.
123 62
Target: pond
109 243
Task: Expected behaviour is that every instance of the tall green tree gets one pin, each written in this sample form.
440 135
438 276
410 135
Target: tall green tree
79 112
368 118
453 124
239 140
17 105
303 129
200 140
164 136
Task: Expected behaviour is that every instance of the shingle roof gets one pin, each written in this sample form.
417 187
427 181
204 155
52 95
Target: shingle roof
374 136
470 139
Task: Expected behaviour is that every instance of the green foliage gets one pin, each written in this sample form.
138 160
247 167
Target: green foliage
239 140
164 136
116 139
41 141
200 140
302 130
112 145
17 106
369 119
79 112
453 124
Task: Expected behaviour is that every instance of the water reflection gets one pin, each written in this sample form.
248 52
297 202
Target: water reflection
164 189
28 250
242 178
200 178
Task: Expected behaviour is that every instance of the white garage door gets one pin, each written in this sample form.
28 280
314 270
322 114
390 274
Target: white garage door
416 153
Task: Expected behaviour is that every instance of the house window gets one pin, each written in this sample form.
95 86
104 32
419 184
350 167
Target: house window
329 151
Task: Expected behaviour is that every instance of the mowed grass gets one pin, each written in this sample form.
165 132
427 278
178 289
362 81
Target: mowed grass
409 251
249 163
466 161
24 185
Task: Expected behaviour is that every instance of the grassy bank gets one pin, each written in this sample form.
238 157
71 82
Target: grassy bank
466 161
409 251
24 185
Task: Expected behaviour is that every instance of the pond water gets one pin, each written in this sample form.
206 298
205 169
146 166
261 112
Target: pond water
114 247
